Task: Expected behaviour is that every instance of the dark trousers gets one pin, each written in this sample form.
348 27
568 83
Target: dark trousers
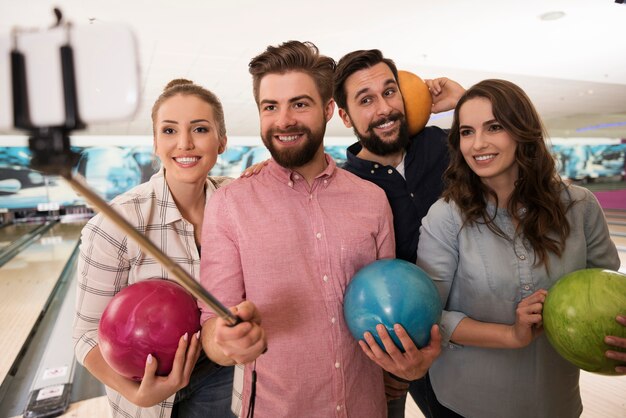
208 393
424 396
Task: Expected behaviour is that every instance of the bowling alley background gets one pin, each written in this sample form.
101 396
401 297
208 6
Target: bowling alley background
113 169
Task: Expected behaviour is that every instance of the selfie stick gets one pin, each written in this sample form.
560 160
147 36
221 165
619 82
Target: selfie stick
52 155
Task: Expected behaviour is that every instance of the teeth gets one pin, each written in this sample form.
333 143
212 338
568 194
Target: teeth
289 138
485 157
385 125
186 160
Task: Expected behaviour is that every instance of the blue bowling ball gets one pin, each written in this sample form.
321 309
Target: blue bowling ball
392 292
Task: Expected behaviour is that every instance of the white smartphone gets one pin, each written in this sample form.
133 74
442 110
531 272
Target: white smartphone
106 69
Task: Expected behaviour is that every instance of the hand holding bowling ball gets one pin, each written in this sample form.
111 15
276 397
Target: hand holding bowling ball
580 312
146 318
395 306
392 292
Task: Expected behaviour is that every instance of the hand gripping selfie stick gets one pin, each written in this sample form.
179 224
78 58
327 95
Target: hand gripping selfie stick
51 154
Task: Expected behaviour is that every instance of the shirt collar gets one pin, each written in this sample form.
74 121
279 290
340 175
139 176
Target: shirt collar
168 211
289 176
360 163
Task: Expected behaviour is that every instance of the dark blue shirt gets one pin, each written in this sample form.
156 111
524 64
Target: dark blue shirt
425 161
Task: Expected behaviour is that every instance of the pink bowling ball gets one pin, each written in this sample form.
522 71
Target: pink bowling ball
147 317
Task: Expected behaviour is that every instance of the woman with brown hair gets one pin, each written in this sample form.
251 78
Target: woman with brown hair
506 229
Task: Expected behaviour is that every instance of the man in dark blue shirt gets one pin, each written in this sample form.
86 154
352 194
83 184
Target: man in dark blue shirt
408 168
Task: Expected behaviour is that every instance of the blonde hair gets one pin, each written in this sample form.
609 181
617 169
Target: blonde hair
187 87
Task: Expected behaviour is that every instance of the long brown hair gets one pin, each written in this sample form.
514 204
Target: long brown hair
538 188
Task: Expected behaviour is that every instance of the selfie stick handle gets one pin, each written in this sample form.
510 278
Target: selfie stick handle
178 272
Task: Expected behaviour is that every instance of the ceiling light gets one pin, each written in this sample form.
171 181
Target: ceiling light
555 15
601 126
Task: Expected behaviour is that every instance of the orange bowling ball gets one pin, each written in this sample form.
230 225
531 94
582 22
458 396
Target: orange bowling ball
417 100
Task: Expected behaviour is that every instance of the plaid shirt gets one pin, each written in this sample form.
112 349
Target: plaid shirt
109 262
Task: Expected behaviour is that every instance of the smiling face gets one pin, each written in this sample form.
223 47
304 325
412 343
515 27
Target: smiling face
375 110
487 148
293 118
186 139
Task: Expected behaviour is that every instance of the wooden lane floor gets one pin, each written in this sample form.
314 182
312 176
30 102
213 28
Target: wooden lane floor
10 233
26 283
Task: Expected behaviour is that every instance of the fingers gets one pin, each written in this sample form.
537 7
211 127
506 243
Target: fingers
529 310
411 364
538 297
149 374
176 377
433 349
436 85
245 341
616 342
407 343
254 169
617 355
193 353
621 319
248 312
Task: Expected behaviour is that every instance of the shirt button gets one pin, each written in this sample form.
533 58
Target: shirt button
297 177
318 235
372 171
526 287
522 257
325 278
375 165
290 184
333 320
310 197
412 195
390 171
338 407
337 365
325 181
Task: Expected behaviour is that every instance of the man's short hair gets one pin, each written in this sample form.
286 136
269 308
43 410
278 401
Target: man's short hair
350 64
294 56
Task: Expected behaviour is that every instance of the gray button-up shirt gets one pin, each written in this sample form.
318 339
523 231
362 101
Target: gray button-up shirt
483 276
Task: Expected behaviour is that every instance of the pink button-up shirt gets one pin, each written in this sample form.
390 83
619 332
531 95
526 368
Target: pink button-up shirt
291 249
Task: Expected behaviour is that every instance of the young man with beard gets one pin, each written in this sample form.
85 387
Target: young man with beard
408 169
289 240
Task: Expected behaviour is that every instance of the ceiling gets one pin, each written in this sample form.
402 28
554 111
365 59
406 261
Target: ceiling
573 68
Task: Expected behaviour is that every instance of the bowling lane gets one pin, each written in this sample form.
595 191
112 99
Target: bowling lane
27 282
11 233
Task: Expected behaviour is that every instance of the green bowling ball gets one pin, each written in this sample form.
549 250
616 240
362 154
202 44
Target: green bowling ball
580 311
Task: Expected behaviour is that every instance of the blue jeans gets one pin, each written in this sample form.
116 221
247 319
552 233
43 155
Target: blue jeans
208 394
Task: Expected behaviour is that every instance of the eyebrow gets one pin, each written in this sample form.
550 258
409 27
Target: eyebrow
489 122
193 121
292 100
365 89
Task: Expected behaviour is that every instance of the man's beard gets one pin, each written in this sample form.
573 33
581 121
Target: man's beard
374 144
295 156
